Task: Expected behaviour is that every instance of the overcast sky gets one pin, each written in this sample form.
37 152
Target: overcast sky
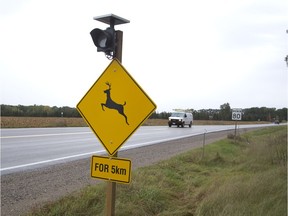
184 54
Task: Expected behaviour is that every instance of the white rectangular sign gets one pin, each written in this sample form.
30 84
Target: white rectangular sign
113 169
237 114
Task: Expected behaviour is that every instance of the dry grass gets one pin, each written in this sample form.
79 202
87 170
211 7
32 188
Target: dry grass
29 122
232 179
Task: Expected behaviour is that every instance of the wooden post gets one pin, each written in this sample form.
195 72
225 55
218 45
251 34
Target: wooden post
204 140
235 134
118 49
111 196
111 186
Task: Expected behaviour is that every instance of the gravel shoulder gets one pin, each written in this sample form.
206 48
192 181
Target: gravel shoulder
22 191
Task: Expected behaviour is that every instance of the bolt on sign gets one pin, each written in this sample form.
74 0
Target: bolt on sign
115 106
112 169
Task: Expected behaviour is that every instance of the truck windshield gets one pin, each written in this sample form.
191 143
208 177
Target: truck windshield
177 115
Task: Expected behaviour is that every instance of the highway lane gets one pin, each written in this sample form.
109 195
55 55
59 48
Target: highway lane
28 148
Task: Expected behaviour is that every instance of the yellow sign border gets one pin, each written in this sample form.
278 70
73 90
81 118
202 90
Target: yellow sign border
112 151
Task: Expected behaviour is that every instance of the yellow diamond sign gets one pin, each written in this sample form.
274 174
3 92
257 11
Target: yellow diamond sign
115 106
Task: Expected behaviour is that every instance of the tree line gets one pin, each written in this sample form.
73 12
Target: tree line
223 113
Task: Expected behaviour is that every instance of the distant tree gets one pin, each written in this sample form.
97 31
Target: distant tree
154 115
161 115
201 115
262 114
281 114
225 112
164 115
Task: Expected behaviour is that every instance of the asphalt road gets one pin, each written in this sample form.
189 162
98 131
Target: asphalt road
29 148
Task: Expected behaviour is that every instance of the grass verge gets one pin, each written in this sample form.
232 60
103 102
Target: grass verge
246 177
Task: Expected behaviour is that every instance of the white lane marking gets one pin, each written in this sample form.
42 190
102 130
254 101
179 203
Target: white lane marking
52 160
90 153
43 135
104 151
61 134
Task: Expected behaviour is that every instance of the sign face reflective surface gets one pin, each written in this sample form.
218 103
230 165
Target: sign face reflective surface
112 169
115 106
237 114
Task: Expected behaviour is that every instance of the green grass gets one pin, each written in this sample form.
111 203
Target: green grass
246 177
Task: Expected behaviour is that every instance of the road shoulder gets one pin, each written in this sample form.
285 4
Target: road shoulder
22 191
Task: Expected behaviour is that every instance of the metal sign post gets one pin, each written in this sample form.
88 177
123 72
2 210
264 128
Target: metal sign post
112 20
115 90
235 133
111 195
236 116
111 186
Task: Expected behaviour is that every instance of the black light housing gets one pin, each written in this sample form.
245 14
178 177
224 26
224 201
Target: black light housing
104 40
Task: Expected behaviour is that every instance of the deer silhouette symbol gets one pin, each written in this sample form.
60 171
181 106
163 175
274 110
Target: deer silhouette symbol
112 105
